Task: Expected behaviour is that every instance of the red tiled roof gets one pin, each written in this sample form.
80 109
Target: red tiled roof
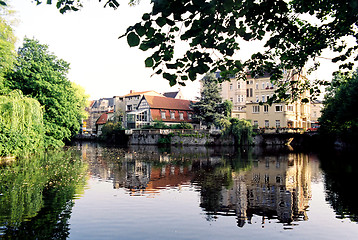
102 119
168 103
91 103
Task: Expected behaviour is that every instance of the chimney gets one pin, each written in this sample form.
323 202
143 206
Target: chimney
131 91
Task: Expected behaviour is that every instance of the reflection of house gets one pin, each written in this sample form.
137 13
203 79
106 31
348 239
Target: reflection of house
275 186
168 110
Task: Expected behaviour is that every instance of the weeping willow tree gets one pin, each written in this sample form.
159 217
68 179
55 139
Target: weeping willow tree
240 129
21 124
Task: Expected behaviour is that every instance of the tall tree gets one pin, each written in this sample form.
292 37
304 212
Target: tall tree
41 75
7 48
339 116
209 109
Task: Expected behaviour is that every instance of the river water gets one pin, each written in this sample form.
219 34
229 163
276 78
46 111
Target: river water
91 191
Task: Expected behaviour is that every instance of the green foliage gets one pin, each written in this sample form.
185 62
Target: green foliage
339 116
288 29
41 75
24 183
110 130
21 125
241 129
293 32
209 109
7 50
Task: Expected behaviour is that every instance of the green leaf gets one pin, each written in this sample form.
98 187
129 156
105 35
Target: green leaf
149 62
140 30
150 32
133 39
161 21
171 77
144 47
146 16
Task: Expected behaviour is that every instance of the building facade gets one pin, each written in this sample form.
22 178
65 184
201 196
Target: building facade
250 98
156 108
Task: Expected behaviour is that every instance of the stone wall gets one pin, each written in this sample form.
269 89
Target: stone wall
206 137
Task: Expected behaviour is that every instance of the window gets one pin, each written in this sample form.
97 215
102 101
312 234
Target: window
238 85
278 108
255 109
267 123
257 85
251 92
129 107
181 116
163 114
278 123
263 85
240 98
231 99
190 116
263 98
257 98
266 107
256 123
240 108
289 108
230 86
172 115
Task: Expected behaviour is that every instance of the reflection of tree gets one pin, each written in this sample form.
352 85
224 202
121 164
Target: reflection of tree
341 171
213 178
37 195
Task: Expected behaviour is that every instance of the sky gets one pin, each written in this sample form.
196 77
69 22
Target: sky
102 64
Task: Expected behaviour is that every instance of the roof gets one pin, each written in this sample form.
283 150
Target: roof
97 103
171 94
140 93
102 119
168 103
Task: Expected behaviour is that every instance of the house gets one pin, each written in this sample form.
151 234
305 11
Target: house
177 95
95 110
129 102
102 120
249 100
156 108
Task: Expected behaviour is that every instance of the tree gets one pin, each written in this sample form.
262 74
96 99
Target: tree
41 75
293 31
339 116
7 49
209 109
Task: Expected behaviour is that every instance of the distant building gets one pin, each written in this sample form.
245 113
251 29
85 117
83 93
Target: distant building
95 110
177 95
315 113
250 97
168 110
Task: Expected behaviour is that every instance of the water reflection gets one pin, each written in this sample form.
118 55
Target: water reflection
231 183
36 195
341 171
